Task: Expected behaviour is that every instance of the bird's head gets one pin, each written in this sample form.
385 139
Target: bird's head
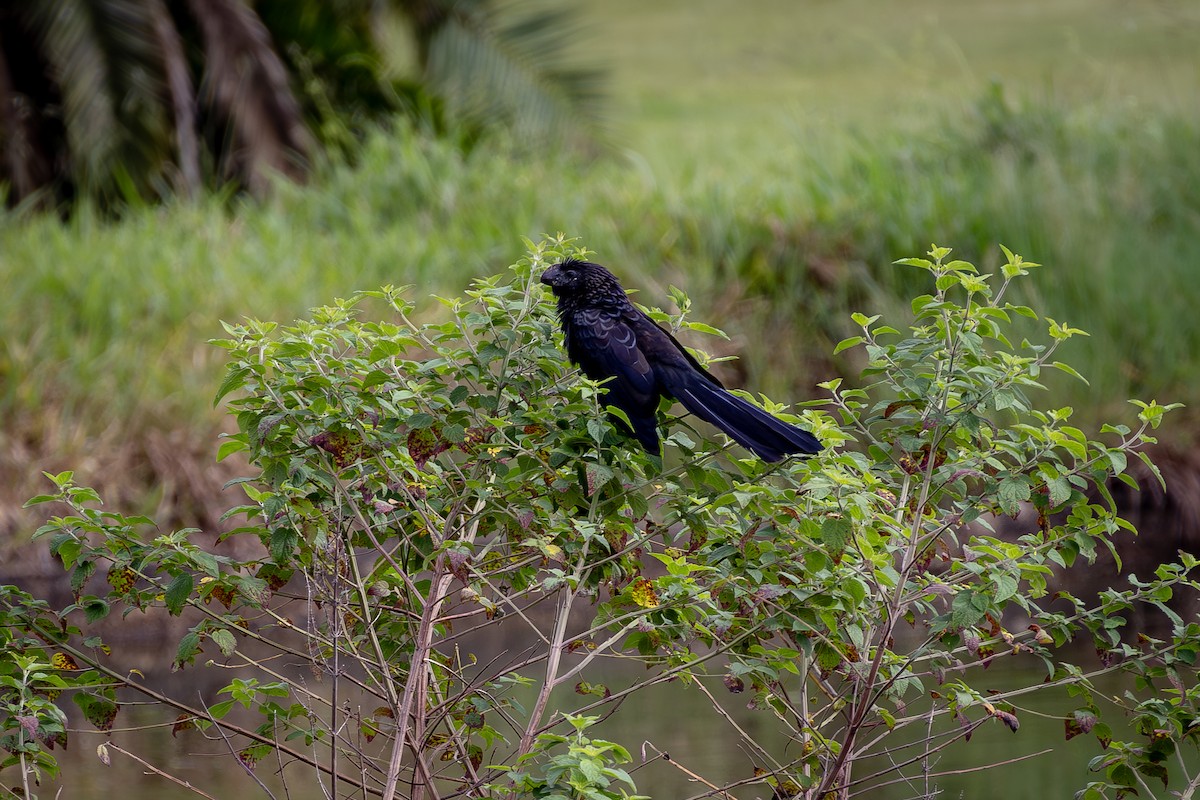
574 279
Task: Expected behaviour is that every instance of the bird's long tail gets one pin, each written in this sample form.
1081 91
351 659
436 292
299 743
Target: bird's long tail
764 434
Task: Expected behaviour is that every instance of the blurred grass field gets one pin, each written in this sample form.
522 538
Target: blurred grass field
728 87
772 157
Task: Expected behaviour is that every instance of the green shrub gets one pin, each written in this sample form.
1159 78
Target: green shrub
417 484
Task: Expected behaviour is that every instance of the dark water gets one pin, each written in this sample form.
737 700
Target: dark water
671 718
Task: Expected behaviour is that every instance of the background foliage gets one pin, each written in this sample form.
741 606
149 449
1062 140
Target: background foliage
123 101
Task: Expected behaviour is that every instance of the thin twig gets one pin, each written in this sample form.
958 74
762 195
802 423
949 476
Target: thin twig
717 790
161 773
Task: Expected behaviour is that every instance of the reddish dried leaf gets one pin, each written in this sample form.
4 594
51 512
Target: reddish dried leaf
182 723
477 436
1007 717
1081 721
964 723
52 740
344 446
425 444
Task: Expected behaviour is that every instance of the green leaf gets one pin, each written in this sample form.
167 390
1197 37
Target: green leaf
178 592
224 639
207 562
857 590
967 609
1005 587
1059 489
846 344
95 609
189 646
284 541
1011 493
835 533
229 447
234 380
1068 369
702 328
945 282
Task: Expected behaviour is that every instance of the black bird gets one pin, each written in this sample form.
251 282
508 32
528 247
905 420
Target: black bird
612 341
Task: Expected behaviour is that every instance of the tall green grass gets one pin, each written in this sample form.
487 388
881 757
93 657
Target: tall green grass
103 325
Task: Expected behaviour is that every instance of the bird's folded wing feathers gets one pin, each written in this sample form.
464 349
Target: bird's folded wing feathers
604 345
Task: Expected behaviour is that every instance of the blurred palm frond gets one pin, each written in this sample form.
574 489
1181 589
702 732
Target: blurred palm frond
124 101
510 64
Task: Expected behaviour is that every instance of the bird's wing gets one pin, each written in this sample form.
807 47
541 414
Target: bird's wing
606 346
664 350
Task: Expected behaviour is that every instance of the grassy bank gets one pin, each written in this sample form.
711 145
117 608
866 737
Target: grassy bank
105 365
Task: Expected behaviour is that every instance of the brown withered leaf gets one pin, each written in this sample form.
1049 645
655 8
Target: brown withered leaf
101 713
64 662
597 689
224 594
477 436
642 592
52 740
965 724
182 723
1007 717
1081 721
1039 635
985 655
275 576
121 579
30 723
459 562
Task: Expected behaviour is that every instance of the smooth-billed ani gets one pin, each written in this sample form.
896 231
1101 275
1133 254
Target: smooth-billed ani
639 362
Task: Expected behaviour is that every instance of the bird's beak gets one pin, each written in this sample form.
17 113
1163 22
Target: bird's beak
550 276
